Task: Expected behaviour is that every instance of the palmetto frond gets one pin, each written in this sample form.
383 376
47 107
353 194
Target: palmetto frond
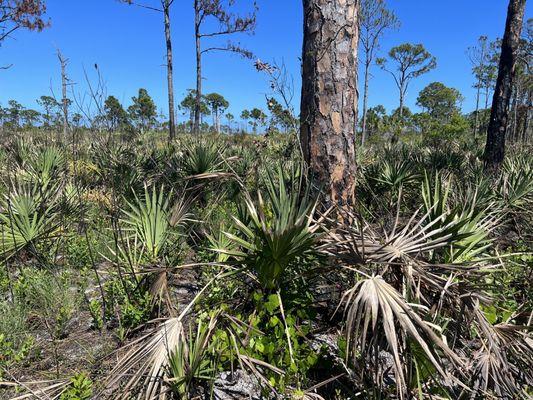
47 164
281 228
146 360
148 218
25 218
374 308
504 353
516 184
188 362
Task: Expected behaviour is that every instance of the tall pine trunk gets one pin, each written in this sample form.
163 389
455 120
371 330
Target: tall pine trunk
170 74
329 96
198 103
365 104
402 97
499 116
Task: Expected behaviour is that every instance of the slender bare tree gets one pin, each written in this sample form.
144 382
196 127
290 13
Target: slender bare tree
478 57
374 20
165 6
229 24
329 95
64 99
499 115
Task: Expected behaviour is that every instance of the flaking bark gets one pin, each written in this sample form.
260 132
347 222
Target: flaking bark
329 95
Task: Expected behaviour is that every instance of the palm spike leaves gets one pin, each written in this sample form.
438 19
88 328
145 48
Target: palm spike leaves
148 218
281 228
25 218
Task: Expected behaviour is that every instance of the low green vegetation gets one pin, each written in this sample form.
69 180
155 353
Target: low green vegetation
216 255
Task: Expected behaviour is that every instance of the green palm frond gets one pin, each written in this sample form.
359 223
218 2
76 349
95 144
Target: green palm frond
396 173
188 361
25 219
280 229
202 159
47 164
516 184
148 218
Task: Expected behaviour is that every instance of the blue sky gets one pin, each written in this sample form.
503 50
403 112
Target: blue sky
128 45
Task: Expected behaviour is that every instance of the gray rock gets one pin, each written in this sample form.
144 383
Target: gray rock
237 386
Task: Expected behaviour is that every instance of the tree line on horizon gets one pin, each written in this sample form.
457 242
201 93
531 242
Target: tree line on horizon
504 73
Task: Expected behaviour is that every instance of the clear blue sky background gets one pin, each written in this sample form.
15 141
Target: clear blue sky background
128 45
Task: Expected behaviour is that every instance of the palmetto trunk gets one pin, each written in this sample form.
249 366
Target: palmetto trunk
499 116
329 95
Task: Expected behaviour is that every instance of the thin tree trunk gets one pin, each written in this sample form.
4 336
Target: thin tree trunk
365 103
499 116
215 120
476 122
516 102
64 99
526 134
170 74
478 94
198 103
401 104
329 96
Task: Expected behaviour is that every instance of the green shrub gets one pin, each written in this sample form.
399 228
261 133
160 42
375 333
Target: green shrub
15 340
128 304
80 388
49 297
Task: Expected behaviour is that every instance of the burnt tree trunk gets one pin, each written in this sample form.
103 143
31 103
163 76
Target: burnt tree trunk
499 116
329 96
170 73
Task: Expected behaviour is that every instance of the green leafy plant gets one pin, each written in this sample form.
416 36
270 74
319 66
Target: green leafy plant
79 388
189 362
26 219
281 230
50 299
148 218
16 341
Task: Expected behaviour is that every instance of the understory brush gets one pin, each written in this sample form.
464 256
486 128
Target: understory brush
211 258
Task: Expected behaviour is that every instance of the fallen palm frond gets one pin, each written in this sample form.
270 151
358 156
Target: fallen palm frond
374 308
504 356
146 360
187 361
49 390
